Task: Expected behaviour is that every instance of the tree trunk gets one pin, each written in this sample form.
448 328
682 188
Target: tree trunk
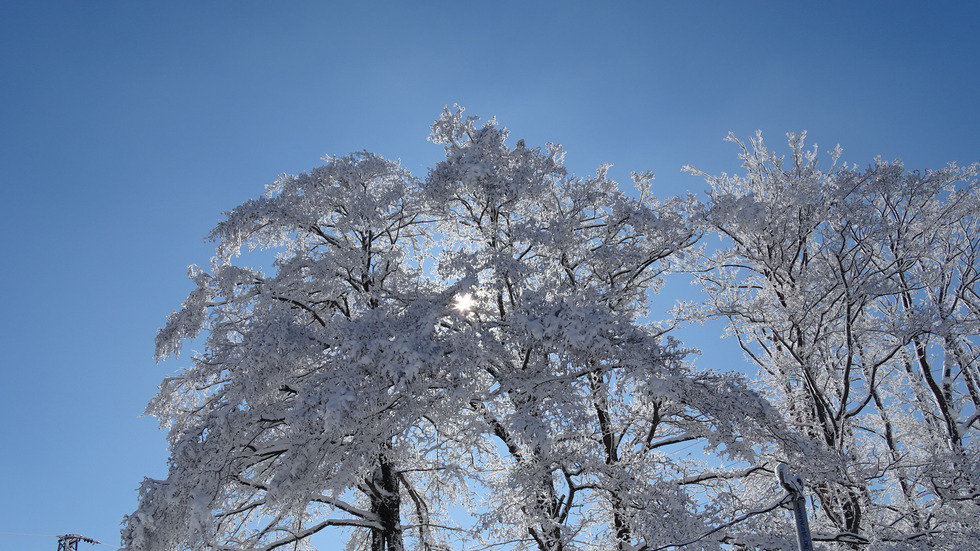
386 504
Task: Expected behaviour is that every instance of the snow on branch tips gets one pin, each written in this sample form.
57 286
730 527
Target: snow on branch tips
469 359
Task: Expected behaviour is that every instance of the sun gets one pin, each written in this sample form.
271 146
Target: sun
464 303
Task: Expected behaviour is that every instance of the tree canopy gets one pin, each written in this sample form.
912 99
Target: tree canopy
855 293
468 358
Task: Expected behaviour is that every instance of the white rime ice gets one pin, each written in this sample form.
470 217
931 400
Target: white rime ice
475 341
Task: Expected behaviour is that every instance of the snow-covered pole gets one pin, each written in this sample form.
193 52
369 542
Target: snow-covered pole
794 486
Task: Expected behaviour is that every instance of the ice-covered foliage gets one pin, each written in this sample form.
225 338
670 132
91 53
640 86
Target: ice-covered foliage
856 294
315 377
584 400
351 386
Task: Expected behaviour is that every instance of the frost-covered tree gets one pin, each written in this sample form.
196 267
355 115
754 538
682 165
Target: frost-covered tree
319 382
586 403
474 339
856 294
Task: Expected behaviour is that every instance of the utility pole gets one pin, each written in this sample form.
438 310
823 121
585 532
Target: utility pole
69 542
794 486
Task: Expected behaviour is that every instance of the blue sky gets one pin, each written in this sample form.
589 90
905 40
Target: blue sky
126 128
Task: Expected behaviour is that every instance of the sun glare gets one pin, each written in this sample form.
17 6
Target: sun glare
464 303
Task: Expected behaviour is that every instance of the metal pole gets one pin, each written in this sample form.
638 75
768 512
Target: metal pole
803 538
794 487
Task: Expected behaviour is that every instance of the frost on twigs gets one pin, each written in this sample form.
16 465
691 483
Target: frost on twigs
351 386
854 292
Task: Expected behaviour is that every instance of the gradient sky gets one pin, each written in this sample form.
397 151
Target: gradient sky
126 128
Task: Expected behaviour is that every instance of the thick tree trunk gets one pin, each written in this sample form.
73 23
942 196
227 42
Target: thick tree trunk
610 444
548 535
386 504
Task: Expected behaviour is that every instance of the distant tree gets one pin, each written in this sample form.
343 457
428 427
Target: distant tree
357 386
856 294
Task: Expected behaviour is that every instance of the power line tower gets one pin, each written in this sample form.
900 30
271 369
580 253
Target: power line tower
69 542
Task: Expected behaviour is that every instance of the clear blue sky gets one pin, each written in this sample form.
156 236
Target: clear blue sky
126 128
